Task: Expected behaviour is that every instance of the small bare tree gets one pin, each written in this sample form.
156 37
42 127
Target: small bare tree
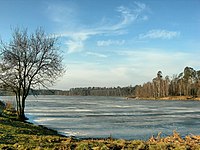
29 61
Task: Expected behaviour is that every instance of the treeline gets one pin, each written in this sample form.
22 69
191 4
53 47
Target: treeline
48 92
186 83
102 91
88 91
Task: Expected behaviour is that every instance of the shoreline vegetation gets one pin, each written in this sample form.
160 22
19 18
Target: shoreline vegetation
165 98
17 135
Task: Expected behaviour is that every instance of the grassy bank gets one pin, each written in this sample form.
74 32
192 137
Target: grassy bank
22 135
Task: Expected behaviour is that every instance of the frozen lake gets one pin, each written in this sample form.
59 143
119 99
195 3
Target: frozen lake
97 117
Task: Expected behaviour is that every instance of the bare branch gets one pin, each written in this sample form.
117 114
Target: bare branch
29 61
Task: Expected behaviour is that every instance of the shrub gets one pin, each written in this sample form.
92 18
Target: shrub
9 110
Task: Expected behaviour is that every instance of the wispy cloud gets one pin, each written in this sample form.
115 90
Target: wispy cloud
129 15
75 39
110 42
75 43
159 34
96 54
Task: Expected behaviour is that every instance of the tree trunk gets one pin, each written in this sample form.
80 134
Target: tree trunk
23 107
20 108
17 102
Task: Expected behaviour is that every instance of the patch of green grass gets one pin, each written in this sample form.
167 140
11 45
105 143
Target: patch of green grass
21 135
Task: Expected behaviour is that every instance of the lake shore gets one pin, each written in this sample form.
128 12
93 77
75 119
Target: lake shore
16 135
166 98
23 135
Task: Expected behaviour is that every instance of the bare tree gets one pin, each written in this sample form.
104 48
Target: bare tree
29 61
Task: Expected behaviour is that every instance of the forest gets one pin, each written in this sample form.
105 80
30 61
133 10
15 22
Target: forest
102 91
186 83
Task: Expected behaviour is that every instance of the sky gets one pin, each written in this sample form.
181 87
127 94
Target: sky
110 43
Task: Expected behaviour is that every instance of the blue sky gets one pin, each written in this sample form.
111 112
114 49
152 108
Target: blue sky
112 42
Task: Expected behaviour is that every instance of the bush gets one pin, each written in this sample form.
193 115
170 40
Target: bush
7 109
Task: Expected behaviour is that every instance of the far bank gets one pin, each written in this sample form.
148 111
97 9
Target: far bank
166 98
